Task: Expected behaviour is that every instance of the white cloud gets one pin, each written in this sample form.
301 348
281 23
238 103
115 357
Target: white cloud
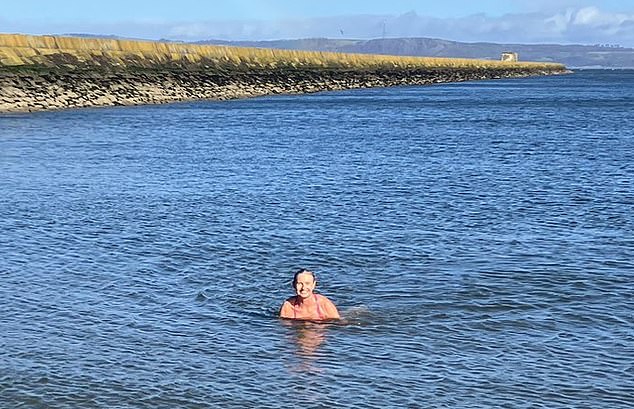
591 24
188 30
588 16
585 25
559 22
582 25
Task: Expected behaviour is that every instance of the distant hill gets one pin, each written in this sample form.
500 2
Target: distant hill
573 56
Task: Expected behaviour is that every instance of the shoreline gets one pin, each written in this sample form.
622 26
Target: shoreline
30 90
42 73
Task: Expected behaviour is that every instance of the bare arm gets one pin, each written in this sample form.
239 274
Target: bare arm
330 309
286 311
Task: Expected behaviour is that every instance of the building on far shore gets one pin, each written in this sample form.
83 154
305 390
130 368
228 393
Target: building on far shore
509 56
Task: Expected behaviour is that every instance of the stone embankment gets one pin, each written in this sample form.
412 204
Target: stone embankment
46 72
34 91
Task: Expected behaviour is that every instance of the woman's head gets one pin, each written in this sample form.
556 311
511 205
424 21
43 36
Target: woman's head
304 282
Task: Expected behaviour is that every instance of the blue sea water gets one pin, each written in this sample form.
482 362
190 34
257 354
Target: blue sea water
477 237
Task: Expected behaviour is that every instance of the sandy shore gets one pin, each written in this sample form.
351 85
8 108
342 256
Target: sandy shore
32 90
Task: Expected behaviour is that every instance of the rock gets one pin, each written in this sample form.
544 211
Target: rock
24 91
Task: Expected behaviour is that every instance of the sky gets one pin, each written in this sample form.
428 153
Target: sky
511 21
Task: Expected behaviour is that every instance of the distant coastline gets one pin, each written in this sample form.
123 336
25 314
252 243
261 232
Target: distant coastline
47 73
571 55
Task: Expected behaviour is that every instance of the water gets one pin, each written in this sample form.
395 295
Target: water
478 239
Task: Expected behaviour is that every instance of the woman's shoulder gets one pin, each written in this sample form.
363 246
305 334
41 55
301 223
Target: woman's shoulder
328 306
291 300
324 301
287 308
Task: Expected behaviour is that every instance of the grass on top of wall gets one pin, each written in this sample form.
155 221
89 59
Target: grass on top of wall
69 53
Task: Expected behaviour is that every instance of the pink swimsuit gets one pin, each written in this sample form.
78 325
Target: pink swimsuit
321 316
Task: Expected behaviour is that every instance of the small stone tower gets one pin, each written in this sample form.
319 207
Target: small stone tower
509 56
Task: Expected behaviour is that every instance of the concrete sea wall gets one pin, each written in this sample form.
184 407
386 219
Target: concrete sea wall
45 72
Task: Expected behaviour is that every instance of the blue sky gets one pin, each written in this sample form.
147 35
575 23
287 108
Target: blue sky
562 21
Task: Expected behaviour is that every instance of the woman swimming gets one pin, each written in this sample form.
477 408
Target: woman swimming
307 305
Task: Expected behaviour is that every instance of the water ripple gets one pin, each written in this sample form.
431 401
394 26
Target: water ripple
476 261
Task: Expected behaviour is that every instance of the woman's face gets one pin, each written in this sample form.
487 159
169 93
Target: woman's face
305 285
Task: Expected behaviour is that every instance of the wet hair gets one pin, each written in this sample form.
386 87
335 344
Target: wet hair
303 271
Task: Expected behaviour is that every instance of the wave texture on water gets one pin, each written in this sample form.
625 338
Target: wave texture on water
476 237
